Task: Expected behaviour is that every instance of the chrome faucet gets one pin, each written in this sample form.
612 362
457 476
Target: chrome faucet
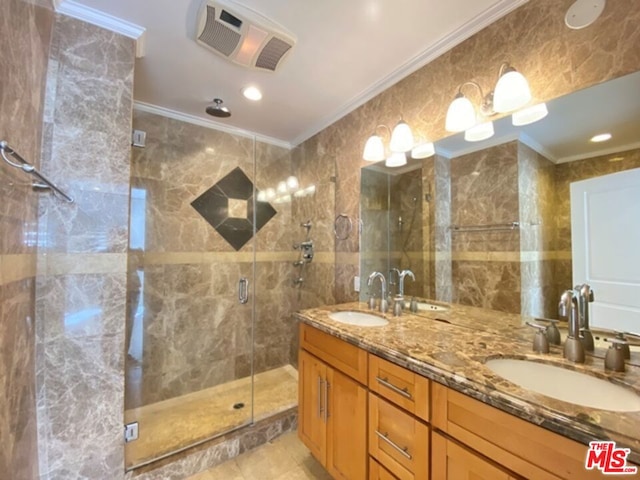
585 297
384 305
569 308
403 274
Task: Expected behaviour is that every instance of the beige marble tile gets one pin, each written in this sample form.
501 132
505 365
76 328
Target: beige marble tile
174 424
226 471
269 462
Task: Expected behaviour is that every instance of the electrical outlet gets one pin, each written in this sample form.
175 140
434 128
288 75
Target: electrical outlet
130 432
356 283
138 138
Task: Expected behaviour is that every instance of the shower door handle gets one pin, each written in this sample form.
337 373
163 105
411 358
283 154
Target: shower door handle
243 291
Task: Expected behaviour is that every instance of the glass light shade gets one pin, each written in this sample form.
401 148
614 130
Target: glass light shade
292 184
282 188
262 196
270 193
511 92
397 159
373 149
460 115
480 132
423 150
401 138
529 115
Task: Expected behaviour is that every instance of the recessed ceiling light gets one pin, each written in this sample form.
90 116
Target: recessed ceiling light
602 137
252 93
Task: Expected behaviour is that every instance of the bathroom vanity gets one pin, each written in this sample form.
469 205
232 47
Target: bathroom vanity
413 399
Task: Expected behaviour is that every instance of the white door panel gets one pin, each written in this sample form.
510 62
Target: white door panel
605 234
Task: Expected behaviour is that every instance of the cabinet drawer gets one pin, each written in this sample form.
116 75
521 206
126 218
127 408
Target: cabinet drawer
378 472
451 461
397 440
520 446
347 358
400 386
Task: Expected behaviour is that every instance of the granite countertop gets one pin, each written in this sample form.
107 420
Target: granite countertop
454 354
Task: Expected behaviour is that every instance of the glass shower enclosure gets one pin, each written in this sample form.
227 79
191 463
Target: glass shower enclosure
200 360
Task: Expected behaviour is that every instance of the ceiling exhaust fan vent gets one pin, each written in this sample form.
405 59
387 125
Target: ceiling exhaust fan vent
243 35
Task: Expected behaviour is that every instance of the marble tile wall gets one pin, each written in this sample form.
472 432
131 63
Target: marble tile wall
374 240
555 60
486 264
406 229
82 253
25 35
536 187
194 332
438 174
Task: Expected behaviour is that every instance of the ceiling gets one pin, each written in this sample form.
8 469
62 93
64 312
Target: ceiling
346 53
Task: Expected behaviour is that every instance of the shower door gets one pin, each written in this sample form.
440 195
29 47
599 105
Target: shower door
190 348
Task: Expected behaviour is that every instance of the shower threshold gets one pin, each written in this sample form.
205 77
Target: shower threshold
172 425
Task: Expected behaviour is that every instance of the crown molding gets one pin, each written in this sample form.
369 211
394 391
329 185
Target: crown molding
90 15
202 122
538 147
486 18
600 153
472 147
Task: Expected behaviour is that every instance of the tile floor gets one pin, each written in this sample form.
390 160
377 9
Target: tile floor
285 458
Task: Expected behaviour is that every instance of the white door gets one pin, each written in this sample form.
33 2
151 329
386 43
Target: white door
605 234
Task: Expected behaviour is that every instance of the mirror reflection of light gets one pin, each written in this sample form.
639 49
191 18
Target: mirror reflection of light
77 320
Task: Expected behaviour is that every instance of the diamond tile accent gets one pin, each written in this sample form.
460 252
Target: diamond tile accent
228 207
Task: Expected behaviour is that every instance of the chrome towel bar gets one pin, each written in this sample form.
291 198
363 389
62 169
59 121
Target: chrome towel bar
42 181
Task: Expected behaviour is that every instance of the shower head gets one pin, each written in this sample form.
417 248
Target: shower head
217 110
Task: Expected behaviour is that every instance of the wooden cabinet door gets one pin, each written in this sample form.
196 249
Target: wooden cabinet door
311 405
451 461
346 427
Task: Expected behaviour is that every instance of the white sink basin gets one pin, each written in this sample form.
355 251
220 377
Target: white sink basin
430 307
566 385
360 319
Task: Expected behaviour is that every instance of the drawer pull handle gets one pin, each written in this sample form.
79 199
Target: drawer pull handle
400 391
403 451
327 385
320 409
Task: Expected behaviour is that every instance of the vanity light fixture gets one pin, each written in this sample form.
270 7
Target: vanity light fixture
601 137
461 114
479 132
510 93
512 90
529 115
401 142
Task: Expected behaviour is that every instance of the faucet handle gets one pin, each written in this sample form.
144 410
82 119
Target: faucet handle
540 341
553 334
616 354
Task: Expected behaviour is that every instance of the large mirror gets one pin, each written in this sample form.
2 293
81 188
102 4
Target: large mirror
488 223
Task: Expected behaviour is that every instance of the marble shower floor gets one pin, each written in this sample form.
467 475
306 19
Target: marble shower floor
285 458
177 423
